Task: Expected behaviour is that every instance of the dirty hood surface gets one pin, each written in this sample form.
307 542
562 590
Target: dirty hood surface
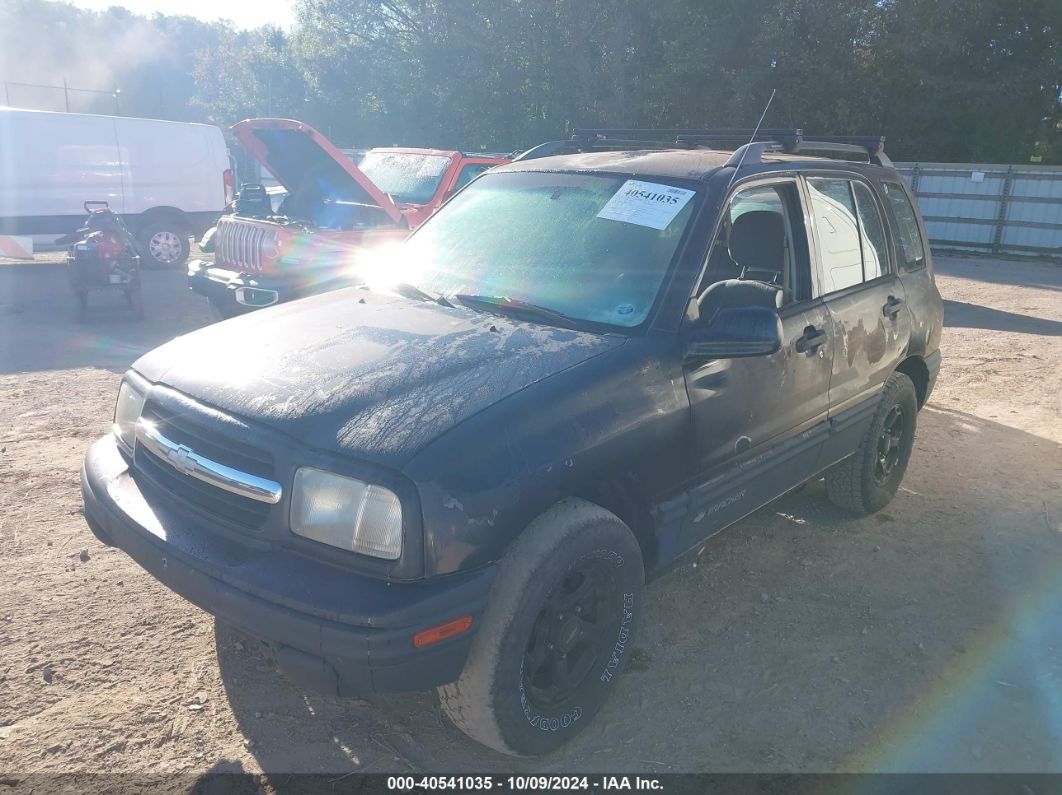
378 380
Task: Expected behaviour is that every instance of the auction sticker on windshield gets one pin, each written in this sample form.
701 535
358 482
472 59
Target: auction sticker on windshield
646 204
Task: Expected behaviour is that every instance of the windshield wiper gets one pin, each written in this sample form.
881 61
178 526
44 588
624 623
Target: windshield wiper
514 306
408 290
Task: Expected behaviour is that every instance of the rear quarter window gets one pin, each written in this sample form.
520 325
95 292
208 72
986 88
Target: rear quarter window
912 248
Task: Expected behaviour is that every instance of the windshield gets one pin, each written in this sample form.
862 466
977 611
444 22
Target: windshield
592 247
405 176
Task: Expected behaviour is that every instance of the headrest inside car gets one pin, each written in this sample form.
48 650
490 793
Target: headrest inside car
757 240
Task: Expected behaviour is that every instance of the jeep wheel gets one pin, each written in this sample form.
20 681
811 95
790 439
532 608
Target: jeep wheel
163 244
554 636
866 481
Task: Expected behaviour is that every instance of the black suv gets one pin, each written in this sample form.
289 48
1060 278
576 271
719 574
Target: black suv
460 474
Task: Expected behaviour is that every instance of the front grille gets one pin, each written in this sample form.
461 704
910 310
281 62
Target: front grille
191 494
238 244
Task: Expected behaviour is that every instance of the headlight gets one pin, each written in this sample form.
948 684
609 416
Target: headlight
346 513
126 413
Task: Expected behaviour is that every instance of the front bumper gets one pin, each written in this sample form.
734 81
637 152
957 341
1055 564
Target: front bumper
294 604
240 292
233 291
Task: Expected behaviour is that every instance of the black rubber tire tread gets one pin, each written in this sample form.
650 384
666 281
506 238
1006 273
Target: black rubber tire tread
148 231
849 483
468 702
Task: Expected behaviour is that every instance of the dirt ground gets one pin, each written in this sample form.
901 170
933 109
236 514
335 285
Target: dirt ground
925 638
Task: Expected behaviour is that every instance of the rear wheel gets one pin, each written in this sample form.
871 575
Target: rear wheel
554 636
866 481
164 243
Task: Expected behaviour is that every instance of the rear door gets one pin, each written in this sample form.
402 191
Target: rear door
170 164
869 319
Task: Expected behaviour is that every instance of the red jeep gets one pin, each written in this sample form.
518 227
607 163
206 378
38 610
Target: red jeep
333 210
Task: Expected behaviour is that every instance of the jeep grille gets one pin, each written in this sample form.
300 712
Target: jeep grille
239 244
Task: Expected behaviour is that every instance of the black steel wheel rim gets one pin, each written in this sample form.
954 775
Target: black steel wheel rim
569 636
889 444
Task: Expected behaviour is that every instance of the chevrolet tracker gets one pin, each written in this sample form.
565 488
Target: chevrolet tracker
580 368
333 212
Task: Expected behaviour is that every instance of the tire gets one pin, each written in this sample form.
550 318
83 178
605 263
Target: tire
507 696
866 481
163 244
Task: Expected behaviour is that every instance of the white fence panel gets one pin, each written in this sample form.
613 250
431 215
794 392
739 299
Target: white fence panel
993 208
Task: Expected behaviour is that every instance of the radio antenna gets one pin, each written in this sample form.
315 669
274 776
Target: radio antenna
755 132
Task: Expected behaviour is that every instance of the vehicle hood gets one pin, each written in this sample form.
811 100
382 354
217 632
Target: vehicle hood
377 380
292 151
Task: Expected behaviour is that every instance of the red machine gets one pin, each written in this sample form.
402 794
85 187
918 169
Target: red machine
103 257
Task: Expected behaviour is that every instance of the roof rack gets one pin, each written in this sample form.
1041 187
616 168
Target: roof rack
749 146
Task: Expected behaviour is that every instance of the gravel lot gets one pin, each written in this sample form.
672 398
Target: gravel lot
925 638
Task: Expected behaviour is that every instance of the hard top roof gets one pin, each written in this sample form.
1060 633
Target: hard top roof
414 150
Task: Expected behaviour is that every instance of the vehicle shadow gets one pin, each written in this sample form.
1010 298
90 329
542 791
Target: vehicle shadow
1024 273
39 331
803 639
964 315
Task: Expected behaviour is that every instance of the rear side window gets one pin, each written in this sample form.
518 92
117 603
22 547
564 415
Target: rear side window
912 246
875 252
834 211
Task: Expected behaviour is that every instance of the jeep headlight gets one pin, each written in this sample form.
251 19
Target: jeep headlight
346 513
126 413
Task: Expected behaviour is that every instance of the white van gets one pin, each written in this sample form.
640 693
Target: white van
169 180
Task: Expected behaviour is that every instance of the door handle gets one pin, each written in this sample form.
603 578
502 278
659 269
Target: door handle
891 308
812 338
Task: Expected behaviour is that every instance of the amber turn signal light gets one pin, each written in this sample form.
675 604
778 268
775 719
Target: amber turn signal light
429 636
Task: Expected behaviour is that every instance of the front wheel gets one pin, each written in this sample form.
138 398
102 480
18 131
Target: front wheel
555 634
164 244
866 481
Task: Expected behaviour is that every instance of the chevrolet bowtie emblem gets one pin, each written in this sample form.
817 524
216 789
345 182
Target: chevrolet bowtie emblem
181 459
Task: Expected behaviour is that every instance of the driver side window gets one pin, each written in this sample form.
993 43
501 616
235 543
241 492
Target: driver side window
761 238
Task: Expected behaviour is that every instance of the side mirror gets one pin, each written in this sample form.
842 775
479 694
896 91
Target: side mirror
735 319
736 332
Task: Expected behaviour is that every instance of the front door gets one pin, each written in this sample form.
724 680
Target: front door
760 422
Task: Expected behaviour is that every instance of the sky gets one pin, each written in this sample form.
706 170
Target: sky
243 13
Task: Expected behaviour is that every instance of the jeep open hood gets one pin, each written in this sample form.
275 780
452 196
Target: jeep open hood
377 380
292 150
